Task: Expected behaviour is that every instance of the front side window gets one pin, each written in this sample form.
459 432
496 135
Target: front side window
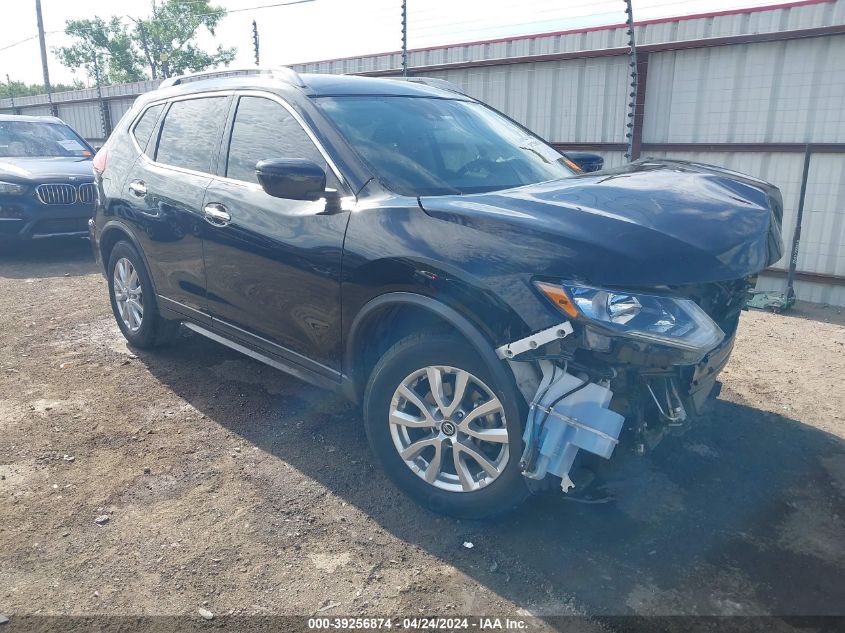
190 133
22 139
144 127
430 146
264 129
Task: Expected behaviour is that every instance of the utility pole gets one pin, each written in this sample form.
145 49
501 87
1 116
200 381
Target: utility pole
796 236
44 68
105 120
632 62
404 38
255 42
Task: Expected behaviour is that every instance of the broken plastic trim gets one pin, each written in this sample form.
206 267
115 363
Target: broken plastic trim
536 340
567 414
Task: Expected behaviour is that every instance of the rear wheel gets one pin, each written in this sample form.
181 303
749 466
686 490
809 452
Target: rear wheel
133 300
444 430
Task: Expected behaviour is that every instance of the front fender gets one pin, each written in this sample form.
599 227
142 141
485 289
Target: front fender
440 310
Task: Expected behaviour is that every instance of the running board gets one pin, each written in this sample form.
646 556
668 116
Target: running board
289 368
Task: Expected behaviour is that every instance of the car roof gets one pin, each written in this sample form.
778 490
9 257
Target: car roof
31 119
336 85
312 84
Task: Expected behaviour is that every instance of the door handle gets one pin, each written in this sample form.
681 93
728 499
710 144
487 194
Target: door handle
138 188
217 214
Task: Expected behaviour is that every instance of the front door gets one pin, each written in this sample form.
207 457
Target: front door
273 265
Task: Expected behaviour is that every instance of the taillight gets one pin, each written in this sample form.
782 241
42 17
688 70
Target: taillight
100 160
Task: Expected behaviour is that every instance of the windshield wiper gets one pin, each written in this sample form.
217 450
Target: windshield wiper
534 151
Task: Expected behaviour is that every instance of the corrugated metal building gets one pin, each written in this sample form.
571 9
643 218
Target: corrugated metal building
80 108
746 89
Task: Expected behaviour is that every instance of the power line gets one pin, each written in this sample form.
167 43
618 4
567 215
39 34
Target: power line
23 41
422 27
433 32
200 15
427 27
262 6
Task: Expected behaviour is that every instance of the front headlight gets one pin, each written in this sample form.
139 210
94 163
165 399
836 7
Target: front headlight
666 320
11 189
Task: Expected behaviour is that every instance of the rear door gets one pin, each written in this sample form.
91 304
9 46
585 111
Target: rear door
273 267
165 190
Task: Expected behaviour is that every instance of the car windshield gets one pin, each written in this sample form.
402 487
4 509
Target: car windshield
431 146
20 139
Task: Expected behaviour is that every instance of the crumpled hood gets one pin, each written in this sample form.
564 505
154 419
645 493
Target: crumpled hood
648 223
35 169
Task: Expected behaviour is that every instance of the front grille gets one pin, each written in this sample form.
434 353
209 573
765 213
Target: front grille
56 194
87 193
60 193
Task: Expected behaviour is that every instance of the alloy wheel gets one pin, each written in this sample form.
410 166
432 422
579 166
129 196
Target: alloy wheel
449 428
128 294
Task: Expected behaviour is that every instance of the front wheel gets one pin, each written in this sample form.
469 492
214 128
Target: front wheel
444 430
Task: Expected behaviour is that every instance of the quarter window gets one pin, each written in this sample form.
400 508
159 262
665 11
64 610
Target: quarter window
144 127
190 133
264 129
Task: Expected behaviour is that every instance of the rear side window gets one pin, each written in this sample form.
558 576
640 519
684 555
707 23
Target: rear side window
144 127
190 133
264 129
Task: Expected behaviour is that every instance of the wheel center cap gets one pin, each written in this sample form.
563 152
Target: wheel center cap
448 428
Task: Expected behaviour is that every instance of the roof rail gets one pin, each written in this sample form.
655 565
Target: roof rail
434 82
281 73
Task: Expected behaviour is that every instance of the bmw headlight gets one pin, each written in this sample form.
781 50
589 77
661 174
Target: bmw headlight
669 321
11 189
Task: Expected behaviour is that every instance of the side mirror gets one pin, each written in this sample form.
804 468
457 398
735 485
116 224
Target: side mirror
291 178
586 161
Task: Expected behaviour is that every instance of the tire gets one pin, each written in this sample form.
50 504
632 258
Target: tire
478 494
151 330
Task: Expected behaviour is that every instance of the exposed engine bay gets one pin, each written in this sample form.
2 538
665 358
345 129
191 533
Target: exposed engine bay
590 389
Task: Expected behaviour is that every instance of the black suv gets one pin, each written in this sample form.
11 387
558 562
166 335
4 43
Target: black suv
494 309
46 185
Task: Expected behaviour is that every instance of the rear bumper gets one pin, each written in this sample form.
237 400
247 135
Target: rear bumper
43 221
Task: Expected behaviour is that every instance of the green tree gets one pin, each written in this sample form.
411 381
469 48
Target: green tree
109 43
167 38
158 46
15 89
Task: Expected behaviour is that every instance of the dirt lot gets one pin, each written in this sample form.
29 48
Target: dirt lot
233 487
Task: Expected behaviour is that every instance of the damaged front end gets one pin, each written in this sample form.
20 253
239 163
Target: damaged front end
626 367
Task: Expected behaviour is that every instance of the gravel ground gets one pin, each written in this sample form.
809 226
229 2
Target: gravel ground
135 483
